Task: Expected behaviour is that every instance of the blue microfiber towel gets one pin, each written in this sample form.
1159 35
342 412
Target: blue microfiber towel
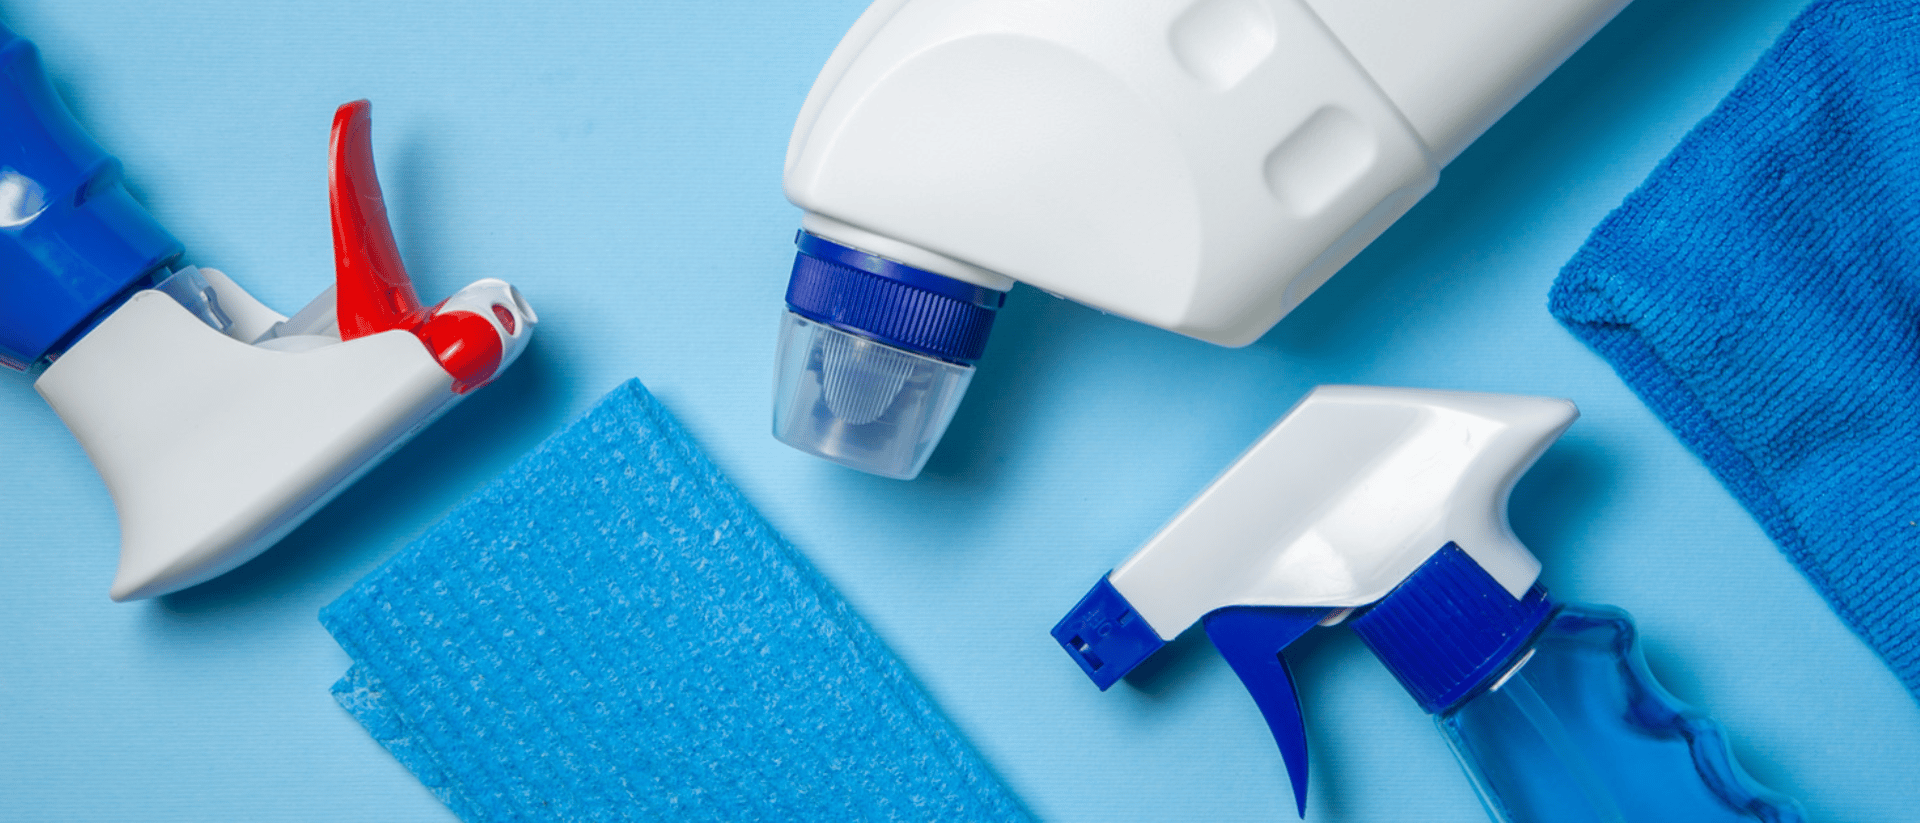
1761 291
610 632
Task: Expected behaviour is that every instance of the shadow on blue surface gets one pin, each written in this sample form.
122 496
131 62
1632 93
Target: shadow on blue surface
1032 338
1314 660
1553 503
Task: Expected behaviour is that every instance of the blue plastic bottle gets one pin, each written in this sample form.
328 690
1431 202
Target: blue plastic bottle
1567 727
74 245
1580 731
1385 509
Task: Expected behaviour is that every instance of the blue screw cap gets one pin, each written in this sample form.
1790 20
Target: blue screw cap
1450 627
891 302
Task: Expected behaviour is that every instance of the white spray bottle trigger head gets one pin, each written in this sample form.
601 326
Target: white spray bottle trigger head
1344 498
1331 509
1339 503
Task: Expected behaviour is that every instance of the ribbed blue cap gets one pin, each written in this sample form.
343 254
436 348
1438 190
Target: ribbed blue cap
894 303
1449 627
73 242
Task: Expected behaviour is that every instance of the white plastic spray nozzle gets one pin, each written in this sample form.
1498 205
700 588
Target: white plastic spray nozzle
1337 505
219 425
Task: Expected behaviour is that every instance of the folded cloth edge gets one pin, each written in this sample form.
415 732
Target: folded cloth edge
1587 298
363 694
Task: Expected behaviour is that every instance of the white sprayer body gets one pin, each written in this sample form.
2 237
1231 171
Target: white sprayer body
214 447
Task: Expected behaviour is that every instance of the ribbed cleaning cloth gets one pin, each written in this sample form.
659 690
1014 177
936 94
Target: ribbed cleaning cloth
1761 291
609 631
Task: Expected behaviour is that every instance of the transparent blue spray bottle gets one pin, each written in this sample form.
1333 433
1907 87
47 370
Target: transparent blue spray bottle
1386 509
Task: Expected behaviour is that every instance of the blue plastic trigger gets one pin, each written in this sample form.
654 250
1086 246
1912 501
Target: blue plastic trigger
1251 638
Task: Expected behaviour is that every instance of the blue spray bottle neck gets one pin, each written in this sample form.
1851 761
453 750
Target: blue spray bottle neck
74 244
1450 629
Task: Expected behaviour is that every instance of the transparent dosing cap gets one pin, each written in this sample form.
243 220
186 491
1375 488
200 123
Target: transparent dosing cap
861 403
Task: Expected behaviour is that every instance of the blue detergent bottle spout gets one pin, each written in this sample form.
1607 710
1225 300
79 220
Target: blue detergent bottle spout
1386 508
74 244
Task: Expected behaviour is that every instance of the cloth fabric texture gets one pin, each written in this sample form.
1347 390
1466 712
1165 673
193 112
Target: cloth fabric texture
609 631
1761 292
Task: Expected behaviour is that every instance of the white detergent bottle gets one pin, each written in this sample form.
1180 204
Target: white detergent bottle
1197 165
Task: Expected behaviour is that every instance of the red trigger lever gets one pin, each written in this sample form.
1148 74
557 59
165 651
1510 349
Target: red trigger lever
373 292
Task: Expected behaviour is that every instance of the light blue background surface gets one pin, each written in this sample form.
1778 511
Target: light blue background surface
620 162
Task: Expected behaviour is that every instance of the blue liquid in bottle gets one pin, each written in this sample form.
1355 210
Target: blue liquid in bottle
1551 708
1578 731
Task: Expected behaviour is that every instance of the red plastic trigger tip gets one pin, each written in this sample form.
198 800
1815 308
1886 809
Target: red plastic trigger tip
373 293
464 344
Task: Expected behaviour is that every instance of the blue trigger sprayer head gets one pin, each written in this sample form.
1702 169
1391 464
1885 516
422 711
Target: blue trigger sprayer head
1390 500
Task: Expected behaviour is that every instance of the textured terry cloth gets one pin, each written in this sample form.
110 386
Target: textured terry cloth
610 632
1761 291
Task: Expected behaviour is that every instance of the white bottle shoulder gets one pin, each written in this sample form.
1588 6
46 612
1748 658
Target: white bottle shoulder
1164 164
1198 165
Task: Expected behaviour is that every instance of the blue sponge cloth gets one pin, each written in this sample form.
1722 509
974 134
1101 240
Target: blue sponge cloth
1761 291
609 632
